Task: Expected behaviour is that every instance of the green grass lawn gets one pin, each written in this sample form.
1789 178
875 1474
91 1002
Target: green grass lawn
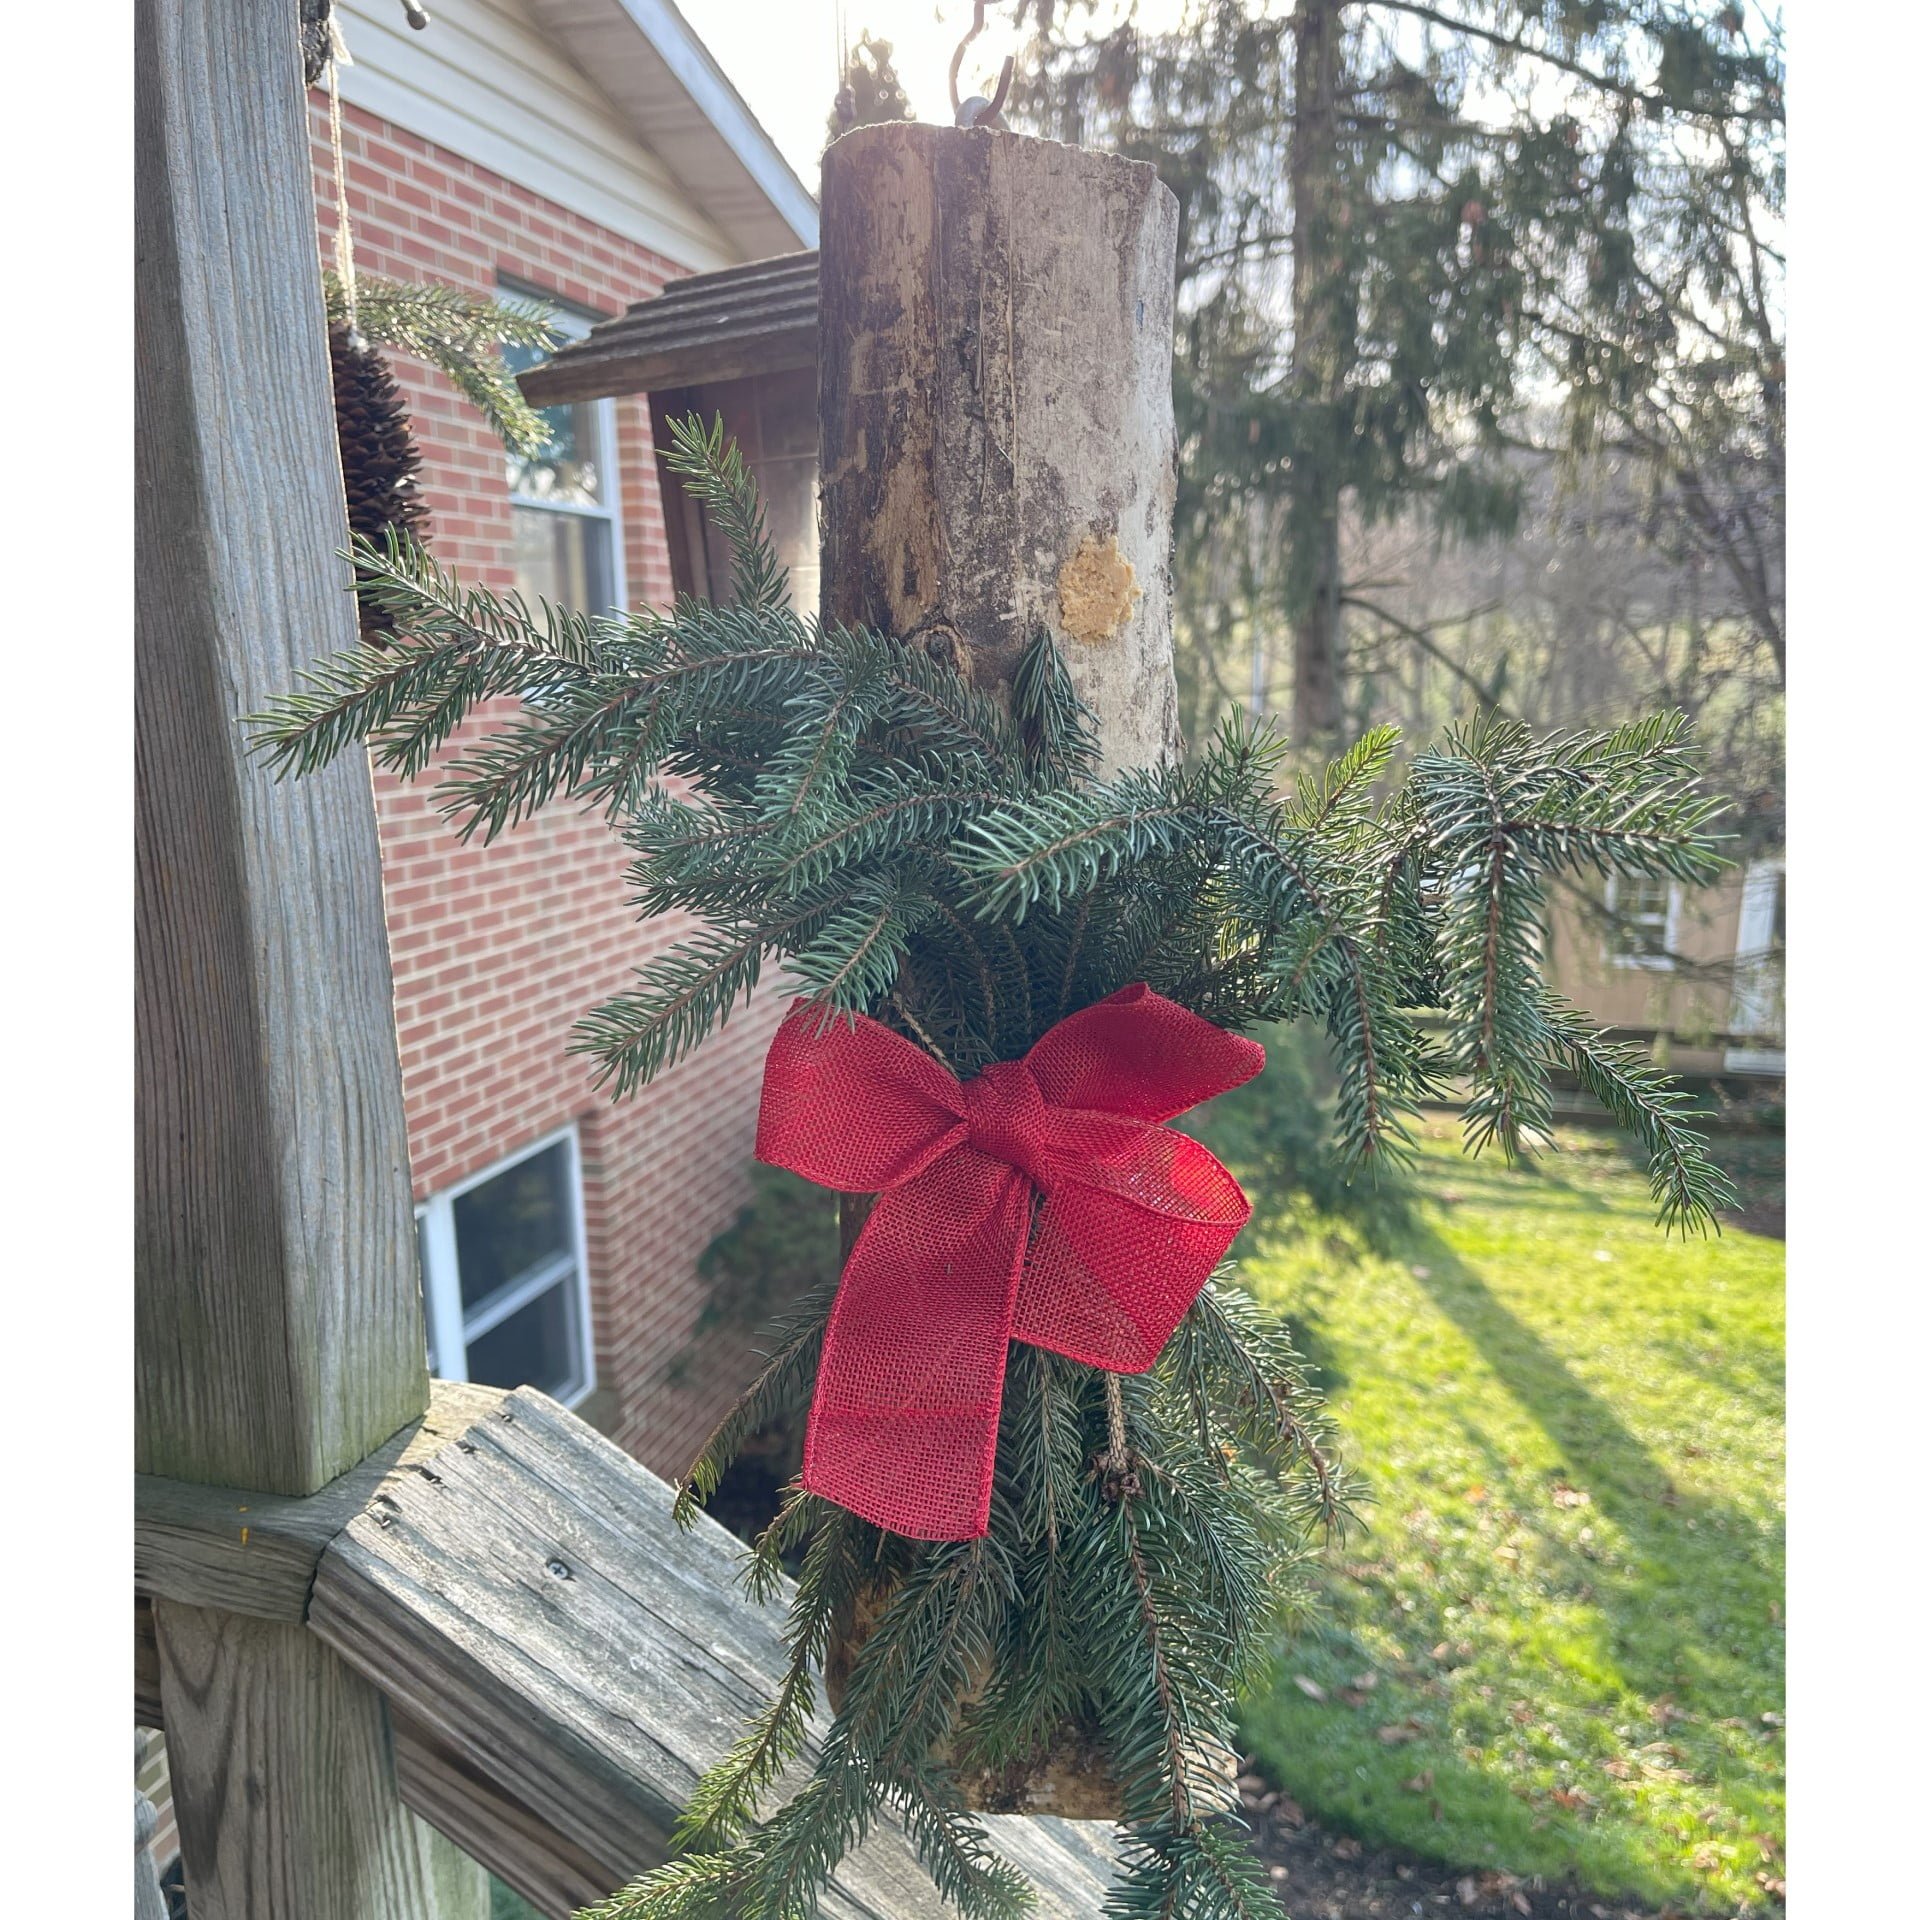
1555 1645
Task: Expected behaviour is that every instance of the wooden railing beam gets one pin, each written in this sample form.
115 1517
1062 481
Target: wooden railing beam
278 1323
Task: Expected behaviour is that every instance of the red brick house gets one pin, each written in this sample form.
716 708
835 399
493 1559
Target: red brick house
588 151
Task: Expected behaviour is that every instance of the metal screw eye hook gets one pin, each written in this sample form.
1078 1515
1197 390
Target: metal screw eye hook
977 111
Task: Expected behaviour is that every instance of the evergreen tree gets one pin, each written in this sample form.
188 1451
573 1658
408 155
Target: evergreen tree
1404 225
834 803
870 90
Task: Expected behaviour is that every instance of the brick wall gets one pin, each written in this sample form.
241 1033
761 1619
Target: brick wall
497 950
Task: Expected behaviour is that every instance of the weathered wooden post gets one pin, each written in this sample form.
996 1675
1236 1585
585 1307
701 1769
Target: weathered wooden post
278 1312
996 410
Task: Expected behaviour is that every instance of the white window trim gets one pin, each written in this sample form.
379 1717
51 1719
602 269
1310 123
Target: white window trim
1756 1001
1669 933
450 1326
571 324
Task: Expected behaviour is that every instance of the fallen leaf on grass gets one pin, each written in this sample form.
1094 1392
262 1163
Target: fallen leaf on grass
1420 1782
1572 1798
1310 1687
1564 1497
1396 1732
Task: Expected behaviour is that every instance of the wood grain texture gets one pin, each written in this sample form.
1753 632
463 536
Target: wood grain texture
996 338
276 1824
147 1710
565 1662
255 1553
756 319
278 1313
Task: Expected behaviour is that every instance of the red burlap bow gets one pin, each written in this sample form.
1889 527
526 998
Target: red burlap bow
907 1406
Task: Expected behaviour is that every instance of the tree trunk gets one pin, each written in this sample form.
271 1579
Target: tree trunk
1314 519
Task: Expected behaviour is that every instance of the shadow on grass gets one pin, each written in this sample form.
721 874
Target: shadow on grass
1667 1530
1574 1656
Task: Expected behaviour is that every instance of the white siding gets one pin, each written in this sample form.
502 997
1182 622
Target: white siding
485 82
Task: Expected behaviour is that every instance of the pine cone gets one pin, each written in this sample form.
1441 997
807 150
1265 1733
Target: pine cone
316 37
378 456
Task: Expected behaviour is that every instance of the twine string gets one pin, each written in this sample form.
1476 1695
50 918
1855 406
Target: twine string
343 223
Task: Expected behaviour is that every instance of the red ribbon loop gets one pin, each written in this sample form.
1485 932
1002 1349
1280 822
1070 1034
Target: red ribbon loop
906 1409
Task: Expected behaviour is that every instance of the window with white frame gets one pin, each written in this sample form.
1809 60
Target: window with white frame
1644 921
504 1266
566 497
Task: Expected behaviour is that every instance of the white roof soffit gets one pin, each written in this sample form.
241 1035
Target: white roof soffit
657 71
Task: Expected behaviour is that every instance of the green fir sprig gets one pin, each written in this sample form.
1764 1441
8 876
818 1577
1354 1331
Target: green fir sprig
847 816
459 332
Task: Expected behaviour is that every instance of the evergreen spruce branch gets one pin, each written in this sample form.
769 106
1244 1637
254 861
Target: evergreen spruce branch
782 1869
362 693
1490 929
867 824
690 858
1058 844
1660 745
460 333
1167 1707
823 723
780 1388
1041 1496
699 1887
1151 920
1690 1189
685 994
710 466
1261 1384
1223 1556
428 602
953 928
1343 797
602 738
852 956
1204 1872
1654 834
955 1850
724 1800
1022 981
932 715
1383 1067
452 650
932 1640
1070 961
800 1514
1057 728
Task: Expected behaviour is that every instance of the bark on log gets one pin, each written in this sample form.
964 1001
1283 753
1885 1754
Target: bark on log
996 410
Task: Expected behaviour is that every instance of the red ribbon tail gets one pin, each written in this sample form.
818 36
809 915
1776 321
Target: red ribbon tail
906 1409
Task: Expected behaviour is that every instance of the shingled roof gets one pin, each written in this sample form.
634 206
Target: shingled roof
759 318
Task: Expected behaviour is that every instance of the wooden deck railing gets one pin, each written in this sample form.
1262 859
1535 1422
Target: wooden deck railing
557 1660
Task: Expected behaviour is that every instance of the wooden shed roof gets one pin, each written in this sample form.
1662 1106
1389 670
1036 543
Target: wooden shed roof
759 318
